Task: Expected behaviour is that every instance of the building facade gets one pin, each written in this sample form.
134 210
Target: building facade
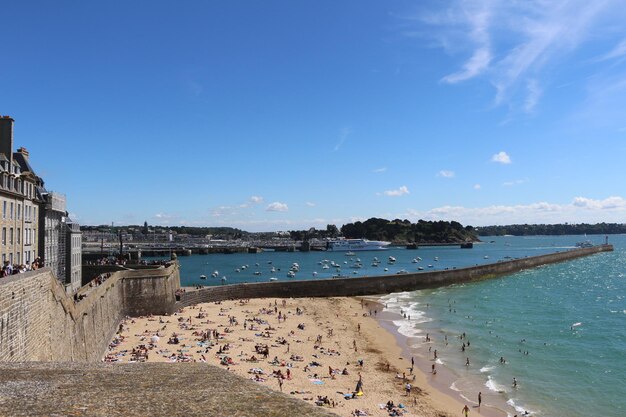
20 201
73 255
33 224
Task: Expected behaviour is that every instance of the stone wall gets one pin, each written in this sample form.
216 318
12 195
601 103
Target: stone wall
40 322
378 284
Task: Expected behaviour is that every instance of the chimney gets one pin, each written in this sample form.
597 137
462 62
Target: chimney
24 152
6 136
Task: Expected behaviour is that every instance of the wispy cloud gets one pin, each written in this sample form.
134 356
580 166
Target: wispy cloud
379 170
476 17
477 186
445 174
618 52
512 183
397 193
309 204
344 133
256 199
533 96
277 206
513 43
501 157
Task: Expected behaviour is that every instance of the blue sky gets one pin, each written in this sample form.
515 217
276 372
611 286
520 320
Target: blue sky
281 115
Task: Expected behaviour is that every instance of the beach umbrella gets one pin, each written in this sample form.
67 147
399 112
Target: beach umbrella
154 339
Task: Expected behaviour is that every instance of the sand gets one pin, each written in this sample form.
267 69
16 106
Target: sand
321 347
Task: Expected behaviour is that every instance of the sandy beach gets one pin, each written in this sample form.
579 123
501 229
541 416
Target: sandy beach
332 352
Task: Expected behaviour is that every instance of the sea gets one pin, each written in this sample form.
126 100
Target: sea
559 330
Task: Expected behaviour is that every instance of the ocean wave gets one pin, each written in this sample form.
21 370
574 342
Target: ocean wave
453 387
406 328
519 408
494 386
487 369
439 361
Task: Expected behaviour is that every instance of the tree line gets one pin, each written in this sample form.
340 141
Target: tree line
552 229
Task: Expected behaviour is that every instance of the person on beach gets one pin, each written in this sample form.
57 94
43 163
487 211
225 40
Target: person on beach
407 387
514 382
465 410
480 398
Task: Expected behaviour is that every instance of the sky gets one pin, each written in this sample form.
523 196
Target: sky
284 115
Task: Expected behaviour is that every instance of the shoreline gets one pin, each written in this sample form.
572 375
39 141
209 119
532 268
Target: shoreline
440 382
317 337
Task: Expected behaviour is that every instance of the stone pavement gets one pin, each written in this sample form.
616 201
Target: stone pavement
141 389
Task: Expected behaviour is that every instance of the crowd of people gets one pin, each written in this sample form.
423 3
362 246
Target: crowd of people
9 269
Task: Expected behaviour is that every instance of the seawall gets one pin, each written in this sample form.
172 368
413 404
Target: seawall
40 322
378 284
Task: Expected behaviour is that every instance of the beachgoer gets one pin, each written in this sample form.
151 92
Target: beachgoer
465 410
480 398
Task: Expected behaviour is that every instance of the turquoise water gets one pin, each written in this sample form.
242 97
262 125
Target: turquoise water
568 371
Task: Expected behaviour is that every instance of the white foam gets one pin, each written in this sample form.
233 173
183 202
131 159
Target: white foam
519 408
439 361
493 386
453 387
487 369
406 328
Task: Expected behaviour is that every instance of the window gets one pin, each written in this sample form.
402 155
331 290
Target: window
34 213
4 235
11 211
4 209
19 211
18 257
18 236
10 236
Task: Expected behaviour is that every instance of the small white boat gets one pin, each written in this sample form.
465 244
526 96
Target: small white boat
215 274
485 257
350 253
202 276
291 274
257 272
273 279
430 266
420 268
314 273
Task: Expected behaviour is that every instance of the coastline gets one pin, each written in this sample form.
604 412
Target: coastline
438 386
334 333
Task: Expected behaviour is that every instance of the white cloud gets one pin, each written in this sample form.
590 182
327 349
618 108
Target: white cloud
446 174
579 210
310 204
379 170
501 157
477 186
397 193
610 203
277 206
256 199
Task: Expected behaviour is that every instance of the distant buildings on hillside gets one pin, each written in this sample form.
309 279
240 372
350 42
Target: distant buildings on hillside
36 230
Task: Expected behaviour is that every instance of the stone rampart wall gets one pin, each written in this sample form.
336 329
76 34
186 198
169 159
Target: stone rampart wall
377 284
40 322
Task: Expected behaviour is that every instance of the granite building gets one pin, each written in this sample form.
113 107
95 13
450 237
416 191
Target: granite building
20 201
34 222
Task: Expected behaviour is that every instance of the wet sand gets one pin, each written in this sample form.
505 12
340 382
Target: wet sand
319 349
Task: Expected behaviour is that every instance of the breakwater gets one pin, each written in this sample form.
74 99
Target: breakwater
384 284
